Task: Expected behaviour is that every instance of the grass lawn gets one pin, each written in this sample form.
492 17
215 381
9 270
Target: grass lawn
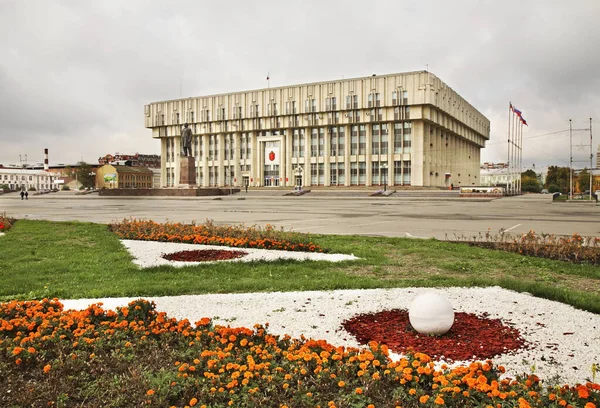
75 260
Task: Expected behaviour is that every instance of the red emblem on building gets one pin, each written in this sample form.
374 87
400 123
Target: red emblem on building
272 156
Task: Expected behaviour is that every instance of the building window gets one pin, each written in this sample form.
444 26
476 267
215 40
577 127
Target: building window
333 174
384 138
321 142
375 172
321 168
397 137
302 143
348 102
362 173
341 174
354 174
333 140
354 140
407 137
362 139
375 139
313 142
355 101
296 143
341 141
313 174
406 172
394 97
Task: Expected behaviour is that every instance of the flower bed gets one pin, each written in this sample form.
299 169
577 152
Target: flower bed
137 356
210 234
203 255
471 336
5 222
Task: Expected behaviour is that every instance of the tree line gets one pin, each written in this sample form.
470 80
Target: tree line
557 180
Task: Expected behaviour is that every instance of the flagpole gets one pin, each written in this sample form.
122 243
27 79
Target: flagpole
514 151
508 146
520 152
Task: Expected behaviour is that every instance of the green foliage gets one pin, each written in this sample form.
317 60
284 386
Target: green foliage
530 184
553 188
558 176
583 180
65 188
529 173
4 187
85 175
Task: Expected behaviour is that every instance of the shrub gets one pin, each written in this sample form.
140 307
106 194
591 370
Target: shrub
65 187
5 222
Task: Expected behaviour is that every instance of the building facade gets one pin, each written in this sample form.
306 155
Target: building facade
118 176
26 179
407 129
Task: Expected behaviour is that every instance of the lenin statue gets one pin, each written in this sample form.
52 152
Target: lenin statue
186 140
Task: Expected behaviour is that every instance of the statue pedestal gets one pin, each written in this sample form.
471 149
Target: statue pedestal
187 172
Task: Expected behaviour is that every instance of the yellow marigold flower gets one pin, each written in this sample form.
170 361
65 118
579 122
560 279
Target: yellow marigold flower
285 386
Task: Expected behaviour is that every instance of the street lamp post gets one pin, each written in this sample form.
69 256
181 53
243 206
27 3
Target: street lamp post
384 167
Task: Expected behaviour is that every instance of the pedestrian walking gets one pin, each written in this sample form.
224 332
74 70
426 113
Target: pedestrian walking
22 194
26 195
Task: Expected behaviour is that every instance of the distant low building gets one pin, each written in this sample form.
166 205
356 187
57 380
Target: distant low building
120 176
497 177
151 161
25 179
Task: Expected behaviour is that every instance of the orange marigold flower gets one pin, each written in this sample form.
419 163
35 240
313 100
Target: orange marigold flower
439 401
150 392
193 402
16 351
590 405
424 399
370 406
358 391
47 368
341 384
582 391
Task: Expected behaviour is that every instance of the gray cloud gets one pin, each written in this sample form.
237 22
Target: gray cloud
74 75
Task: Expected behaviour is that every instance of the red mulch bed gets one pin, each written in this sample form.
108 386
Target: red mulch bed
471 336
204 255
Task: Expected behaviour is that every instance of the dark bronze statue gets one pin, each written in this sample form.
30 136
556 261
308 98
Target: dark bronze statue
186 140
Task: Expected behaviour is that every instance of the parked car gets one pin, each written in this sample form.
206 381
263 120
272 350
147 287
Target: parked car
544 191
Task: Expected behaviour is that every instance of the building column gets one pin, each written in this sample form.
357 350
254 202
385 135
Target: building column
347 141
236 158
254 173
220 137
389 177
306 173
163 162
177 156
204 159
326 156
289 171
368 156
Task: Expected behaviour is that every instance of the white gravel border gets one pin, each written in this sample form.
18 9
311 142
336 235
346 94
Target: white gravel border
149 253
565 342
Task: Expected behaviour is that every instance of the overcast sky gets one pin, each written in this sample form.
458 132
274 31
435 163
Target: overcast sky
75 75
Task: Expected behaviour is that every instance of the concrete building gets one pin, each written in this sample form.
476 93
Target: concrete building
25 179
406 129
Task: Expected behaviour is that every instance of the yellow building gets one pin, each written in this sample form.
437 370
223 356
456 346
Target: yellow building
121 176
405 129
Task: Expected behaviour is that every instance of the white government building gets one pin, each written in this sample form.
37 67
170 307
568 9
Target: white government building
405 129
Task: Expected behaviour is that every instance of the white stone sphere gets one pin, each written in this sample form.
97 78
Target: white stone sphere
431 313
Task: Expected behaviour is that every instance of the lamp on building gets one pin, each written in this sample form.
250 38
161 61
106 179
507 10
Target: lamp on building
384 175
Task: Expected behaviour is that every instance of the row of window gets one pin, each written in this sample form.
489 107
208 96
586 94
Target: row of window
291 108
22 177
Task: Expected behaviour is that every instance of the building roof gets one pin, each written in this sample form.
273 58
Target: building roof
132 169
